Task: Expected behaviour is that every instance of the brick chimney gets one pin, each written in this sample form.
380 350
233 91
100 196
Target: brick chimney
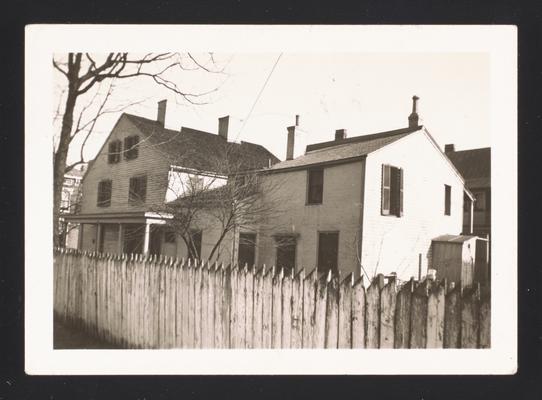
340 134
223 127
449 148
291 144
413 118
161 116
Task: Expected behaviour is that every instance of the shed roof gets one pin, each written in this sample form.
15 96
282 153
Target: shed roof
192 148
345 149
474 165
453 238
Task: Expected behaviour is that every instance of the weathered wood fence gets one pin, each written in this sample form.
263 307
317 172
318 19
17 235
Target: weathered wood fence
139 302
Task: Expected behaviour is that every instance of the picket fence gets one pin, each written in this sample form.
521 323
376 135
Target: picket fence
137 302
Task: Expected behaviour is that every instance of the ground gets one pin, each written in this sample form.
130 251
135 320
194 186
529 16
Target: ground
67 336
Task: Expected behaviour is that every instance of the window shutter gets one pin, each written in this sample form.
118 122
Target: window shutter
385 196
400 192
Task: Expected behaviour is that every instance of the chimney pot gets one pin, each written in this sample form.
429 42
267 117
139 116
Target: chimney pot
297 120
449 148
413 118
161 116
340 134
223 127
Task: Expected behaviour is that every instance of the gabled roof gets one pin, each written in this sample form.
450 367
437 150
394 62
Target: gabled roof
474 165
195 149
344 150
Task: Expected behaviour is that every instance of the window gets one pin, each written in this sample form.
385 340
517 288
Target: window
480 203
115 148
247 249
69 182
286 249
138 189
104 193
194 250
447 199
328 251
315 186
169 236
65 202
392 191
131 149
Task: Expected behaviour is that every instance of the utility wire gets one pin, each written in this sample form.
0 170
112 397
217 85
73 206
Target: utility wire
258 97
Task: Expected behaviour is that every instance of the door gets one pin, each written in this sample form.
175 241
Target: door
247 249
328 251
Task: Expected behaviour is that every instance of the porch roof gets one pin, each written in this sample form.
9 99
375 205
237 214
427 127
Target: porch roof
120 217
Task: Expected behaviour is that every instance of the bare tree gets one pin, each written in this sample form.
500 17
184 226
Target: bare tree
235 196
86 73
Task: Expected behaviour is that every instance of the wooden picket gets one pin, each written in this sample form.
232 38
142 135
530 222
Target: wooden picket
152 302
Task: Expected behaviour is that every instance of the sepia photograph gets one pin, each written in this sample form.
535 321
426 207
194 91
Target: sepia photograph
294 198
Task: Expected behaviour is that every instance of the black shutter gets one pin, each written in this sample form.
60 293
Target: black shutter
400 192
385 195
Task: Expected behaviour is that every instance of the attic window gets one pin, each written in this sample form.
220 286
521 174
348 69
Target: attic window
115 148
138 189
392 191
104 193
131 150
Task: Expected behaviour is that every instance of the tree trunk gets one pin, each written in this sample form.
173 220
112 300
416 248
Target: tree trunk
59 163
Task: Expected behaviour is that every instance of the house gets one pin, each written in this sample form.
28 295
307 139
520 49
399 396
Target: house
370 203
70 202
143 165
475 166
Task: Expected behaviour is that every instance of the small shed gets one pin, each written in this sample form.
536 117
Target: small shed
453 257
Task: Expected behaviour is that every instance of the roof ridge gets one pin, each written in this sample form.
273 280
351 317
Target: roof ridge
361 138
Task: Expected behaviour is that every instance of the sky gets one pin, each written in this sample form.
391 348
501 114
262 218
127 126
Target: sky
363 93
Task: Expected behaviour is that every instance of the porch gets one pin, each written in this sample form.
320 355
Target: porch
129 232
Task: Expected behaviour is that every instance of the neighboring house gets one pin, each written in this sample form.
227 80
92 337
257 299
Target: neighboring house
141 166
374 201
70 202
475 166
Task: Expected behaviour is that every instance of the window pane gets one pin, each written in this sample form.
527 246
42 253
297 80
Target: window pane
286 249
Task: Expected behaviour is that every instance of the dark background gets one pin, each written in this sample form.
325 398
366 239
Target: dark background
14 384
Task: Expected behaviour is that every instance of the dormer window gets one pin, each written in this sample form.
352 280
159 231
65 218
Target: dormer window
115 149
131 149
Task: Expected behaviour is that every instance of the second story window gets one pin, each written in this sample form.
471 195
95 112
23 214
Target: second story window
392 191
104 193
447 200
131 149
315 186
138 190
115 149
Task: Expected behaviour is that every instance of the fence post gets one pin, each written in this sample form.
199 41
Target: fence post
258 309
286 335
418 316
358 314
435 316
332 313
319 338
469 317
267 307
373 312
276 326
388 299
309 297
249 307
452 317
402 315
485 319
345 313
297 311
